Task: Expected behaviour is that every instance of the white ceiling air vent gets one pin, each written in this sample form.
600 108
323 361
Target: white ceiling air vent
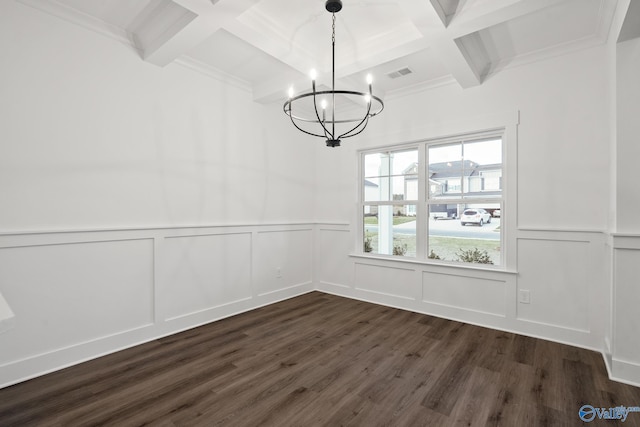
399 73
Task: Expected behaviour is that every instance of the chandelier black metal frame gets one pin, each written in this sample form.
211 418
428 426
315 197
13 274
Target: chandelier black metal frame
327 125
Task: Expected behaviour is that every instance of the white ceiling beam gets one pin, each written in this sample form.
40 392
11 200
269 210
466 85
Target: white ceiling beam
630 26
184 25
452 54
442 13
297 58
458 61
493 13
468 67
270 90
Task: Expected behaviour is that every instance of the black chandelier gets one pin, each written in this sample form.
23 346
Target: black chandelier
315 122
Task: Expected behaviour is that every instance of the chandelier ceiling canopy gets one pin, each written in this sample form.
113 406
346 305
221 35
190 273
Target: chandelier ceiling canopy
332 114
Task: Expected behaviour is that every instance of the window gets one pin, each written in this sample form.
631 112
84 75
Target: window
462 227
390 193
440 200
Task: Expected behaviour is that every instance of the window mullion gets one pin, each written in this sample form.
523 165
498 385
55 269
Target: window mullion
422 225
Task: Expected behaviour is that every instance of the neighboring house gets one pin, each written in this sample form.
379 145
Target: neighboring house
371 193
451 179
411 188
446 180
476 180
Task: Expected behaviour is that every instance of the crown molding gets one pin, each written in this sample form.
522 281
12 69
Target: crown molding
421 87
74 16
605 19
598 37
546 53
214 73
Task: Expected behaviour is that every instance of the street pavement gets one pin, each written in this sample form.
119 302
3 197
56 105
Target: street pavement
450 228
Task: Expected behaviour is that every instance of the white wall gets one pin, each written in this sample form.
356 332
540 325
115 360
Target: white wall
626 238
94 137
628 129
136 201
562 144
563 159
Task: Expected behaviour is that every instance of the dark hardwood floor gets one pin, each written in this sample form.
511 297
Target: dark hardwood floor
324 360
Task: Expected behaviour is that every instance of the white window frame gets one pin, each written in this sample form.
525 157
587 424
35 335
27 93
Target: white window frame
462 196
503 125
391 202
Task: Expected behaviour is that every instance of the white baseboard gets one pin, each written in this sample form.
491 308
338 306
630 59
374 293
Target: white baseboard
42 364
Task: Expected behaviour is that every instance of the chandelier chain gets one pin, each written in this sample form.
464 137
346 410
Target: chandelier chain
333 28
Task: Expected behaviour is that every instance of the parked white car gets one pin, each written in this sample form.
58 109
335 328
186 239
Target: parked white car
475 216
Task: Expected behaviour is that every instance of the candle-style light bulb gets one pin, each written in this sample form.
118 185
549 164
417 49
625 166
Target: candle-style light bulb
367 98
313 73
290 92
369 79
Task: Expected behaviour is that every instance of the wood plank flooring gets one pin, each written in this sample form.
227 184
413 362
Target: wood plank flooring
319 360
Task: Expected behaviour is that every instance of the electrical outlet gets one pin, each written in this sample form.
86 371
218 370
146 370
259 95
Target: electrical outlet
278 272
524 297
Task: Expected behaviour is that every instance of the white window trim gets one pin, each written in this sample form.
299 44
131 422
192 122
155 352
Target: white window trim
507 124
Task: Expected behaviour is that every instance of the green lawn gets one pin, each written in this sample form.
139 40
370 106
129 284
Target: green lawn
445 247
373 220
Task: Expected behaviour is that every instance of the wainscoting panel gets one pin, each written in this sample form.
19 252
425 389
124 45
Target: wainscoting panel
626 306
283 259
462 292
334 268
77 295
558 277
202 272
67 294
386 281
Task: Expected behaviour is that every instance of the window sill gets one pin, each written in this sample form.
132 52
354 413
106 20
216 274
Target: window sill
442 265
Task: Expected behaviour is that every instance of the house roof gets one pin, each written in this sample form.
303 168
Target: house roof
455 168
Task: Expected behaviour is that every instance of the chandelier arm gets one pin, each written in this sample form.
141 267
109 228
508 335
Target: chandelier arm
307 132
290 102
349 134
364 120
315 107
299 128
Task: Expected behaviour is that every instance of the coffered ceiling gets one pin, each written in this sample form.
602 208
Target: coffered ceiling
268 45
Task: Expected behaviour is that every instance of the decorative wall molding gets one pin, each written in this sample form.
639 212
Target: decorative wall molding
410 286
123 287
625 299
575 321
625 241
625 372
480 295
